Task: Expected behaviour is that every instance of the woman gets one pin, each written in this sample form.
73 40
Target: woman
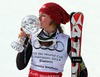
49 48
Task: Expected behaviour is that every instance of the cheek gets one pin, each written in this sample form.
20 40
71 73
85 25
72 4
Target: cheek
45 22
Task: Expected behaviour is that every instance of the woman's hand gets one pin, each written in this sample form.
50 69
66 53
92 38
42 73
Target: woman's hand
22 33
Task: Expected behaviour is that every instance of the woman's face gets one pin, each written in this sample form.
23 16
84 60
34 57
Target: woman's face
45 20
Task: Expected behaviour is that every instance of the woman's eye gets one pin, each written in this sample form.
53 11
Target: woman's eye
43 16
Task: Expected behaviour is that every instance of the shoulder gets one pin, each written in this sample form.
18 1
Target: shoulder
63 36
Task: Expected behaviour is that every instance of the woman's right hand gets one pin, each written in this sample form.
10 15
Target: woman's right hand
22 33
21 36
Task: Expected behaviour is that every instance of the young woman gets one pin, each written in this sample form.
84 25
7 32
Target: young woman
48 48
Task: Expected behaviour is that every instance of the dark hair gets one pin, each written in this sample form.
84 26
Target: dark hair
58 26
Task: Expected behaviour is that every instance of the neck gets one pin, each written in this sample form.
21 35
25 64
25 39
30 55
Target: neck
50 30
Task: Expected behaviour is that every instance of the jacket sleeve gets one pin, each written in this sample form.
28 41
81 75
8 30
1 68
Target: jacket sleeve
22 58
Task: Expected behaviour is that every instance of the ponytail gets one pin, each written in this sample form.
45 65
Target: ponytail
59 28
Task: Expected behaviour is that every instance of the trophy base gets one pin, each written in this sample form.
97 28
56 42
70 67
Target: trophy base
17 46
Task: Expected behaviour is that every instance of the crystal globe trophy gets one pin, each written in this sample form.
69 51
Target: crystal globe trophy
30 24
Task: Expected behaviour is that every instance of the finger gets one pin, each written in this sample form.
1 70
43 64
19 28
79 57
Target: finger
21 29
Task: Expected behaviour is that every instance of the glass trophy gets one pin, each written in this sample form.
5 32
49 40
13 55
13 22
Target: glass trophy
30 24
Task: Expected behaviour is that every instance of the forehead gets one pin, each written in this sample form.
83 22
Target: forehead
41 13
